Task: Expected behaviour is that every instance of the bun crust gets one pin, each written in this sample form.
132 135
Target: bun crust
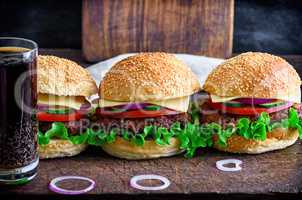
60 148
279 138
148 76
59 76
253 74
127 150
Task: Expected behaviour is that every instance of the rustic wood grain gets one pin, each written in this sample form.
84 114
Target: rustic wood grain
274 175
270 173
112 27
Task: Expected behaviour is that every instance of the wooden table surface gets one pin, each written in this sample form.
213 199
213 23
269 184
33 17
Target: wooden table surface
265 176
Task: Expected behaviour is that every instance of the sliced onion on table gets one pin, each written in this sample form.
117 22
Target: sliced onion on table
53 187
221 165
135 179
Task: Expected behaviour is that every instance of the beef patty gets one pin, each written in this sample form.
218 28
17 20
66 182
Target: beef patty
74 127
137 125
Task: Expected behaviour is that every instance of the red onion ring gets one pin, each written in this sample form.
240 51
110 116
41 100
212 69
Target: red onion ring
134 106
135 179
85 106
42 107
126 107
254 101
220 165
53 187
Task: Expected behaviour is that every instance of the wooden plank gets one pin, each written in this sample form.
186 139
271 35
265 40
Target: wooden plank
112 27
274 172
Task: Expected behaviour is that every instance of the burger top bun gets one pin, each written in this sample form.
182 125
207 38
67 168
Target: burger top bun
63 77
148 76
253 74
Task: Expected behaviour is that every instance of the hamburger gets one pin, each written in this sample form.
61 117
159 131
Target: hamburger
143 108
252 104
62 106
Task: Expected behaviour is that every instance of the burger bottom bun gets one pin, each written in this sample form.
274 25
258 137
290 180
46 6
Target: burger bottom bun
60 148
279 138
127 150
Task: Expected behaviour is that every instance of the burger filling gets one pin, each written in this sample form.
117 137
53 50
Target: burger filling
250 118
203 123
209 115
61 117
139 122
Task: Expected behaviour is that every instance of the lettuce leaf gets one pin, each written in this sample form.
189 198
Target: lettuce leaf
242 126
42 139
138 140
96 137
58 130
294 121
80 139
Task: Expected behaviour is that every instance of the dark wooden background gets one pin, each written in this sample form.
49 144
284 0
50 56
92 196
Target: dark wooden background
113 27
271 25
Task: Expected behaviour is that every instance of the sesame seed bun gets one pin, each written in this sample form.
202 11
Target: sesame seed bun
253 74
148 76
60 148
127 150
59 76
279 138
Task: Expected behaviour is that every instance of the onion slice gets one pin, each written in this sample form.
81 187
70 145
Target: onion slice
127 107
254 101
53 187
221 165
135 179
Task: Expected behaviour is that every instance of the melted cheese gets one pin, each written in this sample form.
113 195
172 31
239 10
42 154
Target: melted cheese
67 101
178 104
293 97
217 99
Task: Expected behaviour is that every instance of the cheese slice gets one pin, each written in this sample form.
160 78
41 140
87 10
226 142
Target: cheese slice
74 102
178 104
292 97
217 99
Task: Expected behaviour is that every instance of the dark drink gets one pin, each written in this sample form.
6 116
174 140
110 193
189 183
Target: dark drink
18 94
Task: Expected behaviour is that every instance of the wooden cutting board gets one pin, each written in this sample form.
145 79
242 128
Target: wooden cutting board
112 27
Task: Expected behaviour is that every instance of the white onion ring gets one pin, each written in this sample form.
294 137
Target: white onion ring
135 179
53 187
220 165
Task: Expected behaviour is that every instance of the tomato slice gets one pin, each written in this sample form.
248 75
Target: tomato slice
249 110
47 117
140 113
